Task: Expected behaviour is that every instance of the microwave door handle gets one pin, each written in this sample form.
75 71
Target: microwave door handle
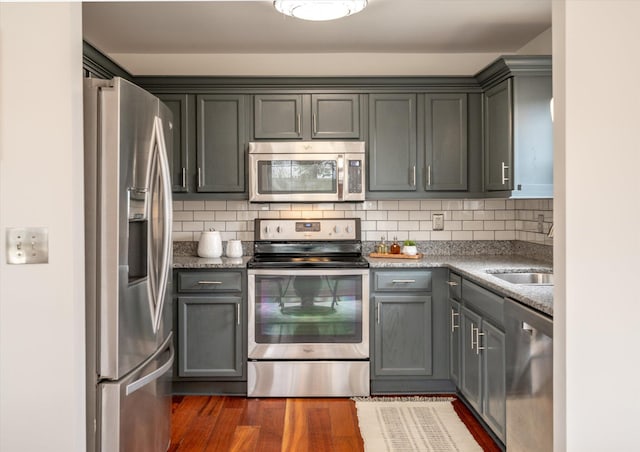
340 177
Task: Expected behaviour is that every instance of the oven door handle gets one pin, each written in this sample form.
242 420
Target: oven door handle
340 177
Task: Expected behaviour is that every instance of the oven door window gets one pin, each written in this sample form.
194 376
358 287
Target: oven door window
308 309
297 176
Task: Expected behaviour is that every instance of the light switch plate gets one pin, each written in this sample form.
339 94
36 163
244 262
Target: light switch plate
437 222
27 245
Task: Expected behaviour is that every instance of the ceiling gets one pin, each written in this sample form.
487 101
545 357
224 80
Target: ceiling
238 27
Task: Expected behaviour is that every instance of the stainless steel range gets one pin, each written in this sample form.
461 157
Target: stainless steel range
308 309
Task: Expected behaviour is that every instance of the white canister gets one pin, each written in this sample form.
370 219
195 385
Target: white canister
210 244
234 248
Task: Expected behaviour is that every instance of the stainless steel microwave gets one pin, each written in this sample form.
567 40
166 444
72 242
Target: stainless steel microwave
306 171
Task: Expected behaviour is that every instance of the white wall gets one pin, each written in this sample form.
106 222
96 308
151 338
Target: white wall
41 183
596 306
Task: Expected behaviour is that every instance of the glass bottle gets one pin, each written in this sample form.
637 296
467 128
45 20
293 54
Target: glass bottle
382 246
395 246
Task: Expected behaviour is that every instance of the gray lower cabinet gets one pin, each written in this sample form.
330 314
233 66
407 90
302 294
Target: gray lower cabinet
454 283
181 166
482 345
210 331
409 347
445 138
306 116
221 142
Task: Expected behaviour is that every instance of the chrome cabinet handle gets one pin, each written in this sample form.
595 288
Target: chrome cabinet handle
209 282
452 283
413 176
238 313
403 281
505 179
184 178
472 334
199 177
315 127
297 124
378 313
453 317
478 334
429 175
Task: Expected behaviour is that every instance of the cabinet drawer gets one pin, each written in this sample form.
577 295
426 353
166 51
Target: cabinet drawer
483 301
455 286
214 281
403 281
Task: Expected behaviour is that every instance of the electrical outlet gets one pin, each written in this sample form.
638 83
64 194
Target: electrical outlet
27 245
437 221
541 223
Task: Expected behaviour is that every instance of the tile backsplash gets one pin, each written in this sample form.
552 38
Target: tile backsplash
464 219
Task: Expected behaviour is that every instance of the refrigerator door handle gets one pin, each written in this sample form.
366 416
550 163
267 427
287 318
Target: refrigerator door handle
167 220
152 376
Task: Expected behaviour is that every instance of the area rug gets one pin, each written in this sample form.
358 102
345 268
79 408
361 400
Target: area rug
412 424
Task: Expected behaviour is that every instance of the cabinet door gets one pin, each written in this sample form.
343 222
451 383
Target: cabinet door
454 340
335 116
210 336
278 116
492 345
498 137
403 335
392 142
221 143
471 373
179 158
445 142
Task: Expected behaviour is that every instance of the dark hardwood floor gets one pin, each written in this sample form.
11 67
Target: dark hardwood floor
219 423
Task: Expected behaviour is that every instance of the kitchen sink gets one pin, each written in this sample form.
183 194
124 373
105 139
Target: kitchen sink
529 278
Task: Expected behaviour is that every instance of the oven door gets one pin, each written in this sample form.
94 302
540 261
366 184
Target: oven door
296 177
308 314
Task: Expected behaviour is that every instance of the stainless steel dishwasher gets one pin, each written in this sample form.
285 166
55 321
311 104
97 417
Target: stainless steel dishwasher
529 360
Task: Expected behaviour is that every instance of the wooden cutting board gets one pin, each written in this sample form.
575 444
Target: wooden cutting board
396 256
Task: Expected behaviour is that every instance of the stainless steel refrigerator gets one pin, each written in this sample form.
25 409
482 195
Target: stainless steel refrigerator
128 267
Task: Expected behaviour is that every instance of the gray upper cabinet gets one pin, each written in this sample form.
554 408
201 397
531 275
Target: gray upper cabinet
498 137
221 143
335 116
179 104
445 135
306 116
278 116
392 142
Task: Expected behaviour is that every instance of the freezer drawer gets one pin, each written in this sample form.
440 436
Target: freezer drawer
136 410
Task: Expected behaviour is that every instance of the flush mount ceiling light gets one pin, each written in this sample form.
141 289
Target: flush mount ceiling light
319 9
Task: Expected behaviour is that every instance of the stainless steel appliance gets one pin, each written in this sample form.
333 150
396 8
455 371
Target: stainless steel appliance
128 268
306 171
308 309
529 379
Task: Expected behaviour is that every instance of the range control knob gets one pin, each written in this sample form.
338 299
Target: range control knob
267 229
349 229
337 229
278 229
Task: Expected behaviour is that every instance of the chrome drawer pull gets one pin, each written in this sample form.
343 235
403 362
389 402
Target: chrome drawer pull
209 282
452 283
403 281
478 348
453 317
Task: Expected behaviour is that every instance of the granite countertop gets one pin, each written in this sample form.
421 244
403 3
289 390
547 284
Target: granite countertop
180 261
474 268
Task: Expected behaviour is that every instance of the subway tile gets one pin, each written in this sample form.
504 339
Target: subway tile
495 204
453 204
510 225
510 204
409 225
448 215
178 205
204 215
402 236
182 216
483 215
193 205
323 206
431 204
190 226
182 236
505 235
236 226
372 235
269 214
215 226
387 205
462 235
245 236
176 226
291 214
358 214
472 226
419 215
494 226
367 205
505 215
453 225
525 215
462 215
246 215
301 206
387 225
520 204
280 206
216 205
368 225
237 205
332 214
309 214
345 206
473 204
228 235
420 235
226 216
440 235
399 215
377 215
258 207
409 205
426 226
483 235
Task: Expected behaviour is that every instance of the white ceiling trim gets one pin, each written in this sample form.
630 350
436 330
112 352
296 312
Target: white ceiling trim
303 65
